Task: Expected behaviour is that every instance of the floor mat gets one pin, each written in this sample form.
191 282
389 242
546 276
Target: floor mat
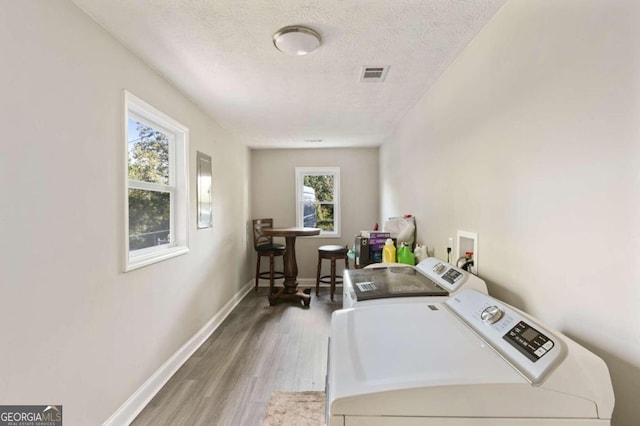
295 409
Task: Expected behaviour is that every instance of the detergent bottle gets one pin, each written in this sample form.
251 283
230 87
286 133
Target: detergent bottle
420 253
405 255
389 251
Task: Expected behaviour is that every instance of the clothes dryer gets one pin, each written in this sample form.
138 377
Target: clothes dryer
472 360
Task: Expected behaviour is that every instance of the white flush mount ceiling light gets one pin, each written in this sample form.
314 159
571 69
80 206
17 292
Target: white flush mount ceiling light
296 40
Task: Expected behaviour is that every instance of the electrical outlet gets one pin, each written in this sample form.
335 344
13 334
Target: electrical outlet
449 249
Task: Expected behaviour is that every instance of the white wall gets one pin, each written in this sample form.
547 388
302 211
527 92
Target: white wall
75 330
273 195
531 139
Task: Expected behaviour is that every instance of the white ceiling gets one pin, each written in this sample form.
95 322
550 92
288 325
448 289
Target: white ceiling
220 53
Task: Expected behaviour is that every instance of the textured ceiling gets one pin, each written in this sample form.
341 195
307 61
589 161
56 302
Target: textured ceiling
220 53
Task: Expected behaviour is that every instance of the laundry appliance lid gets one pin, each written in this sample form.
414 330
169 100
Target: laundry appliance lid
387 347
393 281
421 360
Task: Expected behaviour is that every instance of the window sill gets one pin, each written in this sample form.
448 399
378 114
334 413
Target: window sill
327 235
136 262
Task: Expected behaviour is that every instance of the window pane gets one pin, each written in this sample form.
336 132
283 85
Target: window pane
323 185
149 218
148 153
310 215
325 217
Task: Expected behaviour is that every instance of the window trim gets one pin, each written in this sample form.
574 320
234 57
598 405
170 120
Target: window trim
299 184
177 187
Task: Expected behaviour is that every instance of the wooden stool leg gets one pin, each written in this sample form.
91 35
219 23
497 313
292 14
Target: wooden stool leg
257 272
346 257
318 276
271 269
333 277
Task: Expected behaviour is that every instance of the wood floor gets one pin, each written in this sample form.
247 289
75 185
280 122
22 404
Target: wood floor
258 349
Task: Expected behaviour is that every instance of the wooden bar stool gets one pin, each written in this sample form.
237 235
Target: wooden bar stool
264 246
333 253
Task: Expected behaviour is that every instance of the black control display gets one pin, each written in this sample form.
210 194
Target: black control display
529 341
451 276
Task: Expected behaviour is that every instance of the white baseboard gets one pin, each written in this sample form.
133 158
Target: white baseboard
136 402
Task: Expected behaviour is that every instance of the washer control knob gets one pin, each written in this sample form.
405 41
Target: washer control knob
491 315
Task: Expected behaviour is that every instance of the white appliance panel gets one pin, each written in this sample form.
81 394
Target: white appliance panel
390 354
445 275
533 350
456 363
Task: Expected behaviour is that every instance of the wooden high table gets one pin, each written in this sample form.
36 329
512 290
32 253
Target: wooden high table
290 291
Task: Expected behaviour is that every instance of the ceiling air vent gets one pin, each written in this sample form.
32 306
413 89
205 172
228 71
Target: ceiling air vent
374 74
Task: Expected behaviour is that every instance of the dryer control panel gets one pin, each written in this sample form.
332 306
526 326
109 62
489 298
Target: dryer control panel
445 275
528 340
526 345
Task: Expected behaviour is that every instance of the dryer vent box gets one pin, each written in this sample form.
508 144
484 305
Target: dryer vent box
467 241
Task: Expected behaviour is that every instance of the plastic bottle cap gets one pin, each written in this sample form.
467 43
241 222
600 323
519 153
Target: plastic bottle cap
389 242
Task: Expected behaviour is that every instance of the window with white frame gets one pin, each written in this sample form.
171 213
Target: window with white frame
156 205
318 199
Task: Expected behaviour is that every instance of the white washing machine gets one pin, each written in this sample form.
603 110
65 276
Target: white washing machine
472 360
392 283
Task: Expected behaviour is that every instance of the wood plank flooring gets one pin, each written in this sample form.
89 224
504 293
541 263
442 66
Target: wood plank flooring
258 349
